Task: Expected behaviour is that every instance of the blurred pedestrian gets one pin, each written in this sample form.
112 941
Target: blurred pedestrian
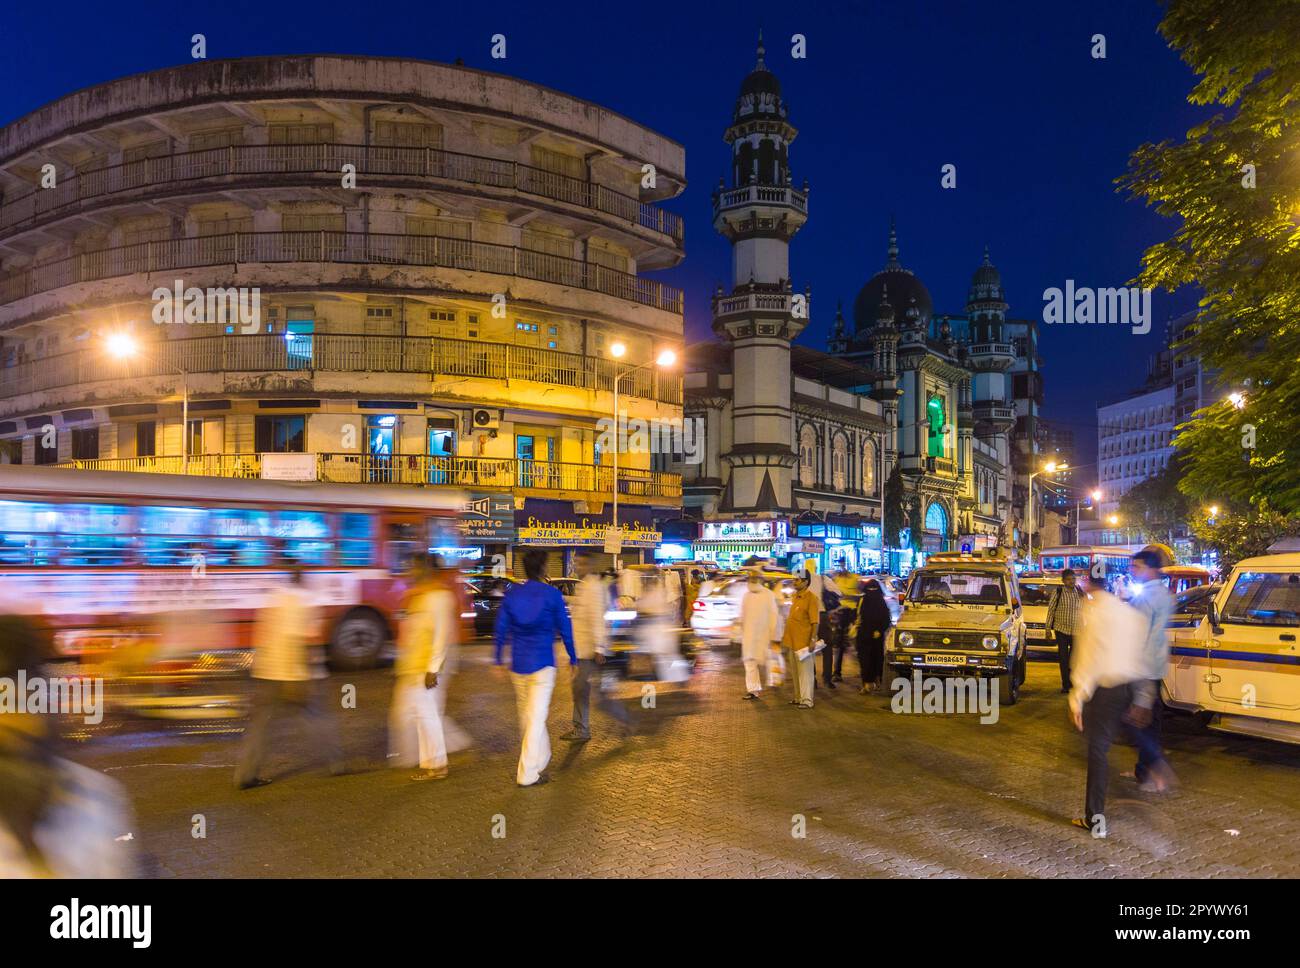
530 617
57 818
873 626
758 621
287 677
1062 617
672 585
828 599
1148 594
799 641
591 644
1107 681
424 639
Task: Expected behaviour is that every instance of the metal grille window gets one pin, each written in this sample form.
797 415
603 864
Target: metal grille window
607 258
306 243
451 245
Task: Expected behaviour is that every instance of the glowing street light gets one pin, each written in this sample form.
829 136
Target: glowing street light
124 346
1051 467
665 359
1237 399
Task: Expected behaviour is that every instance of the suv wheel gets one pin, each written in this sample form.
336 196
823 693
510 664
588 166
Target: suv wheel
1008 688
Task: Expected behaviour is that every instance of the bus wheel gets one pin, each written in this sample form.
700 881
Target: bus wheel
358 639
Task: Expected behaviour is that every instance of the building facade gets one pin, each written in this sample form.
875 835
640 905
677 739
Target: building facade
433 264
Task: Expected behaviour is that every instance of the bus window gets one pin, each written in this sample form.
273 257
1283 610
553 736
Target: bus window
356 540
240 537
172 536
64 534
404 542
304 537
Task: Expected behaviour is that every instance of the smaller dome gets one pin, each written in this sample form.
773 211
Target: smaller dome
760 79
986 284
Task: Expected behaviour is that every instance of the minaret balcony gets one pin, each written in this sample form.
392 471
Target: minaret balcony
761 195
993 416
749 302
983 357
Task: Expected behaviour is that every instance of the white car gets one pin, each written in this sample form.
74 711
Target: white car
1036 593
713 616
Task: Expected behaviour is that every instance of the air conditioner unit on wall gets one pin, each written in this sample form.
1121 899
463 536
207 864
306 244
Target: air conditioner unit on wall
485 419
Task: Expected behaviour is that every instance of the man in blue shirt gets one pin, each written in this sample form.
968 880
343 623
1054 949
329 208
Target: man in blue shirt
530 617
1151 598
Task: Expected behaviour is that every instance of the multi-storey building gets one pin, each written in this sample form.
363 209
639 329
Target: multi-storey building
1134 442
443 259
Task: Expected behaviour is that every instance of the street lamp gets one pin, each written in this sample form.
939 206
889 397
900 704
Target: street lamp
123 346
1096 496
1051 467
1237 399
665 359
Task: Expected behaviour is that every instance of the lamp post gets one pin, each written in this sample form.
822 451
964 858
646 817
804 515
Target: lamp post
1096 496
1051 467
666 358
124 346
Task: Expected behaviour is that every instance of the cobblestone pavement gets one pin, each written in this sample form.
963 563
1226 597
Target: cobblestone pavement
710 786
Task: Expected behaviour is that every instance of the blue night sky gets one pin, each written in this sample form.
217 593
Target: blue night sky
889 92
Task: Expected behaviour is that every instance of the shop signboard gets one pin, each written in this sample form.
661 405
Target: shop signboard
488 517
554 523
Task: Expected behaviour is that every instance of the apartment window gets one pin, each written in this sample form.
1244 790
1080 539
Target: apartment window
195 443
408 134
558 162
85 443
321 222
280 435
300 134
547 242
379 321
225 226
607 258
218 138
11 451
442 322
146 438
471 326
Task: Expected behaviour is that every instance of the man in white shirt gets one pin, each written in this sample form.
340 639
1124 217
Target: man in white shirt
1108 679
591 644
759 631
287 628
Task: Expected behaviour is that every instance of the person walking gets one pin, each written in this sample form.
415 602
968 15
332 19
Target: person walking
758 621
848 587
530 617
800 628
1107 683
1062 617
827 600
423 640
591 644
286 675
1148 594
874 622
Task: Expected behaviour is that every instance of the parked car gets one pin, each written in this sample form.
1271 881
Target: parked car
486 591
1036 592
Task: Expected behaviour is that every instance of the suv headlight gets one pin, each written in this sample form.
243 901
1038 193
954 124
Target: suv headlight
905 639
991 641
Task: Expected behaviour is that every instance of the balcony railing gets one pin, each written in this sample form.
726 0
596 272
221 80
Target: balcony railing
759 195
341 352
83 189
420 470
750 301
352 248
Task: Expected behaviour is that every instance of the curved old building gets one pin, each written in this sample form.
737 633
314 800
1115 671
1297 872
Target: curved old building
412 272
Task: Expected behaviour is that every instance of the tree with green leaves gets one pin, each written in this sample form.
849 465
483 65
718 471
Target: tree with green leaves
1233 187
893 512
1243 533
1156 507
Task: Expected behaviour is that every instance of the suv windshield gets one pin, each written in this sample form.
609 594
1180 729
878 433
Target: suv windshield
958 588
1259 598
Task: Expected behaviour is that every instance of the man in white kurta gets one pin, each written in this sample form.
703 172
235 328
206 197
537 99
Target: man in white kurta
758 620
422 648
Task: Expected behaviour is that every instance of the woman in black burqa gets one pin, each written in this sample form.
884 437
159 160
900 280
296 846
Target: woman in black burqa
874 621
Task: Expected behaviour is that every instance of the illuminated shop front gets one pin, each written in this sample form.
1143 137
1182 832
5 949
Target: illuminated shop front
845 541
731 543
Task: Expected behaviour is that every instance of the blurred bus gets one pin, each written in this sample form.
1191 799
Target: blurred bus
1081 559
139 569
